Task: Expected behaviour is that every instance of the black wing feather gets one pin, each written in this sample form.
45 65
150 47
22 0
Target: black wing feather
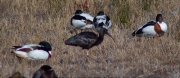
139 31
16 47
107 18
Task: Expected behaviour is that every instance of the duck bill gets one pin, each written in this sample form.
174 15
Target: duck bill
110 35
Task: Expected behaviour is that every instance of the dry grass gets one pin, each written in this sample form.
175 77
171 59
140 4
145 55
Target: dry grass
31 21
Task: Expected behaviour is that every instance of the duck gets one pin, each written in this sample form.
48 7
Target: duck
41 51
101 20
82 20
152 28
45 71
87 40
17 75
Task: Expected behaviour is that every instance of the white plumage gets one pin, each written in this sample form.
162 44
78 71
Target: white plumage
41 51
82 20
152 28
101 20
38 54
163 25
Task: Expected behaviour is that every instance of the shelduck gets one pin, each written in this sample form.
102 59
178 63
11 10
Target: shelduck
152 28
101 20
82 20
41 51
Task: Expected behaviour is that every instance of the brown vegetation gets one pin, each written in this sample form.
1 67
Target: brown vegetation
31 21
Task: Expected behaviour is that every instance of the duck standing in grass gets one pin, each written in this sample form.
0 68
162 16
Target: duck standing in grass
152 28
87 40
45 71
101 20
41 51
82 20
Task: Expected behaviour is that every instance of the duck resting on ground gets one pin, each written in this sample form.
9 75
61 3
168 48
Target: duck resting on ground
82 20
101 20
152 28
41 51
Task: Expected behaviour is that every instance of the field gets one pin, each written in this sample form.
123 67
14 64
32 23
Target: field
32 21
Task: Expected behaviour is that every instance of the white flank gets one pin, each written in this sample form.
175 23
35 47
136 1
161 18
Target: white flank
38 54
78 23
81 24
21 53
149 30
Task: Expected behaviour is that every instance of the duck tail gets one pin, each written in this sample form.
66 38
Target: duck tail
134 33
15 47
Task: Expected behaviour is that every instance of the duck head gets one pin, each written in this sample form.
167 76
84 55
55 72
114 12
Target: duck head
100 13
45 46
46 68
159 18
78 12
45 71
